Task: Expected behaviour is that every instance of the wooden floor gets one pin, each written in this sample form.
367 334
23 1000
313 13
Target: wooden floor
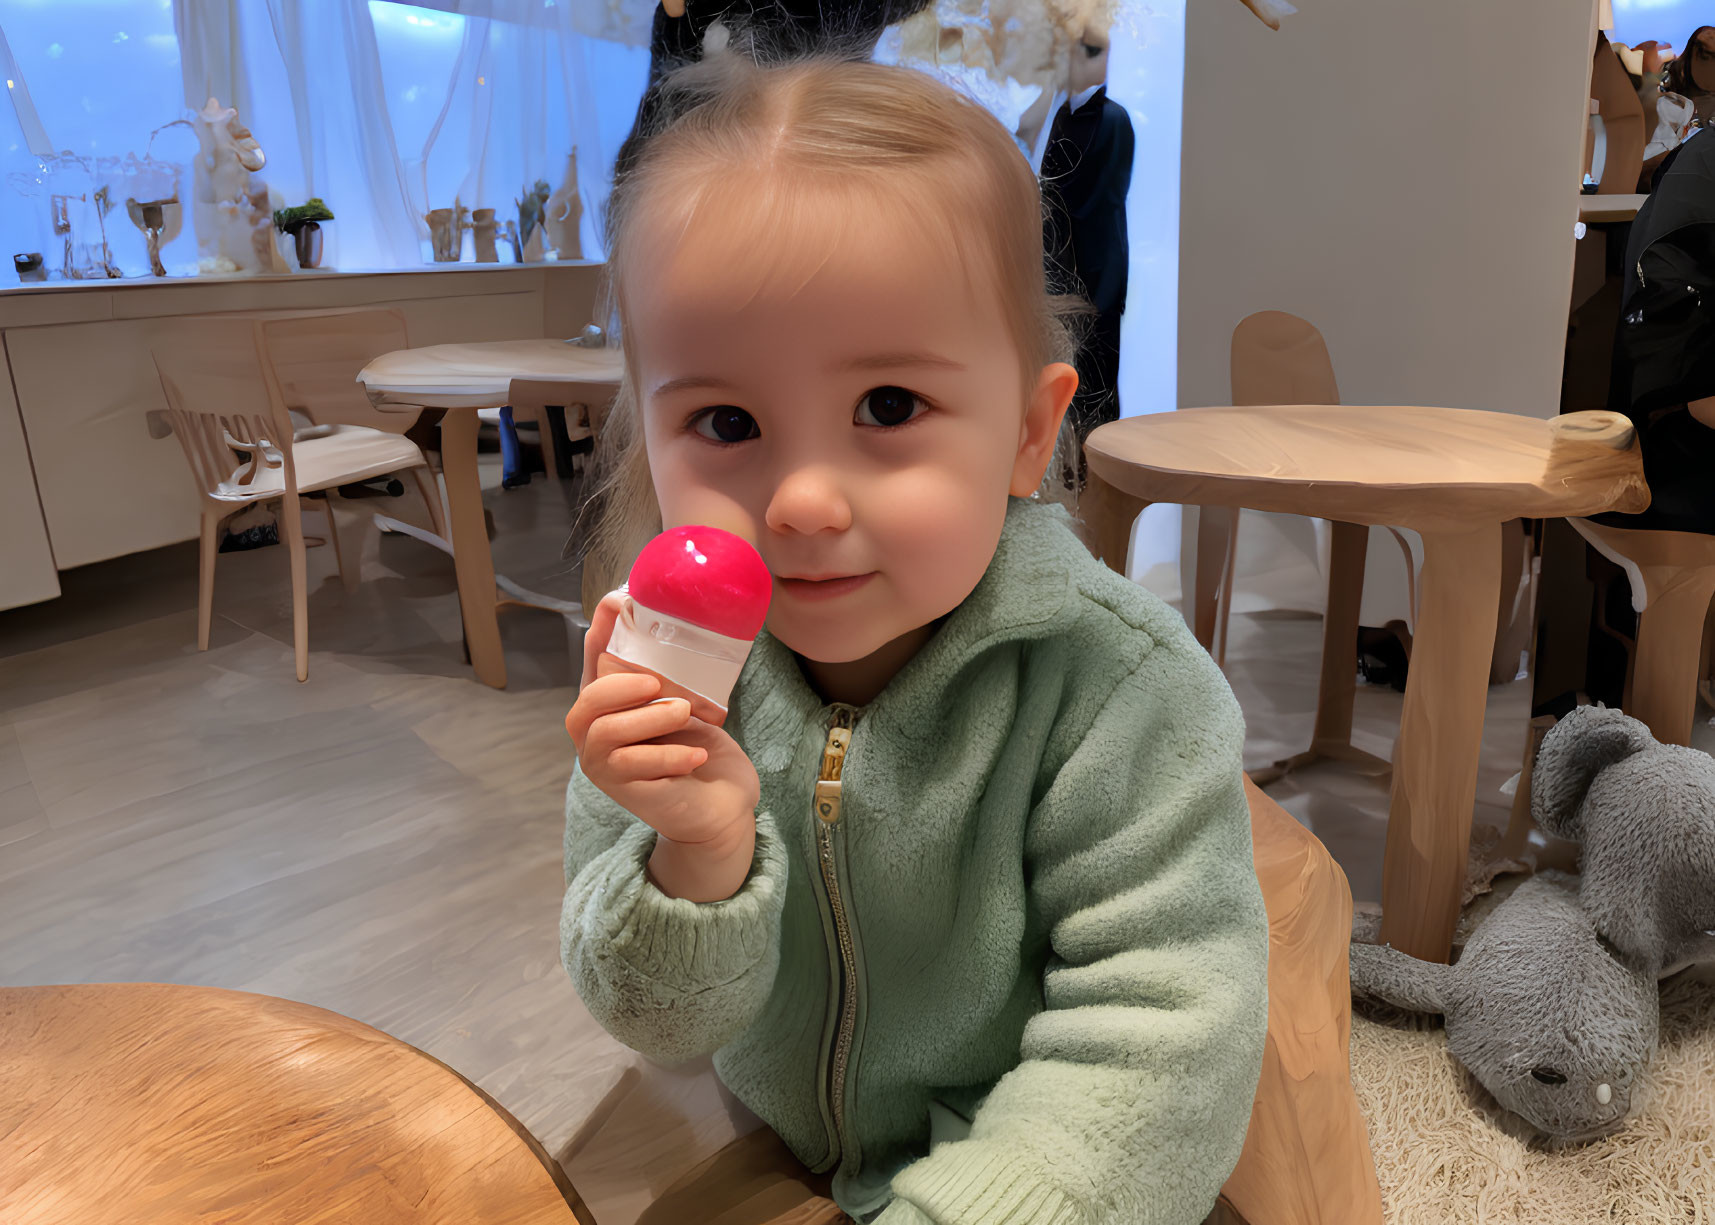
384 841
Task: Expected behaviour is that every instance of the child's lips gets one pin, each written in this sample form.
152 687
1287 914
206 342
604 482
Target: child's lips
822 587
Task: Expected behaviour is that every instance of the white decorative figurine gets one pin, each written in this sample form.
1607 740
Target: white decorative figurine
564 214
226 209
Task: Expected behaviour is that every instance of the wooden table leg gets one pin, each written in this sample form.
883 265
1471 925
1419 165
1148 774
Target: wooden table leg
1210 598
1440 738
472 560
1108 515
1670 639
1331 737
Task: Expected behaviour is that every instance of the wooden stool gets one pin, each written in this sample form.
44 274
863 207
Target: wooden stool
146 1104
1673 582
1306 1159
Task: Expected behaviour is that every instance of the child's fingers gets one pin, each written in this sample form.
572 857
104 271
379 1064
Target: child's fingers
621 691
639 726
638 763
596 637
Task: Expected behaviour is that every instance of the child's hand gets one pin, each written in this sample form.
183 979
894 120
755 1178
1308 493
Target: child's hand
686 779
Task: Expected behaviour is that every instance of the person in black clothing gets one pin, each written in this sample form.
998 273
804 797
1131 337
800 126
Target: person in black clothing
773 30
1664 358
1663 379
1086 173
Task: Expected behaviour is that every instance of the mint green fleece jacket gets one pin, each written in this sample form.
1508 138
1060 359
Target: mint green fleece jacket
1021 979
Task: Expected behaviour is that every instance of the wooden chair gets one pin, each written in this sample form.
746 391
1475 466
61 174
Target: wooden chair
1622 122
315 360
1279 358
222 397
564 411
143 1102
1673 582
1306 1159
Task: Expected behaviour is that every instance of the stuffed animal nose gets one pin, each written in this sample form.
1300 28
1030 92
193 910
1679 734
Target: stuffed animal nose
1604 1095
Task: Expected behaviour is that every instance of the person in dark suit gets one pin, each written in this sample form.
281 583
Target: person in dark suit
1086 173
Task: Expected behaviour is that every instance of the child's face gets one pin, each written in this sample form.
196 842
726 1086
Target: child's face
859 412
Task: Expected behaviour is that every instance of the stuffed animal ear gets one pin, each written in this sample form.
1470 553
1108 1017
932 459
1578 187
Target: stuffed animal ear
1386 974
1578 748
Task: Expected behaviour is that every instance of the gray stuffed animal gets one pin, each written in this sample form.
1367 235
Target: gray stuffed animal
1645 813
1546 1016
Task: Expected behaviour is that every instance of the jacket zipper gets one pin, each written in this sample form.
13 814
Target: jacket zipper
827 809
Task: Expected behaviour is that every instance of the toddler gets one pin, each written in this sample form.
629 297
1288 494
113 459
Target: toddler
961 895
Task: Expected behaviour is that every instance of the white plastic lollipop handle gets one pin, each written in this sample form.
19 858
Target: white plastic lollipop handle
700 660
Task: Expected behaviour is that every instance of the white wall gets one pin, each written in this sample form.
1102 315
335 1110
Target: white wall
1404 176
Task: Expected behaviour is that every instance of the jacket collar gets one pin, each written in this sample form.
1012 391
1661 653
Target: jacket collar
1019 598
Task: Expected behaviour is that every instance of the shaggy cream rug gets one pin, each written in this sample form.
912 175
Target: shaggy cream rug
1445 1154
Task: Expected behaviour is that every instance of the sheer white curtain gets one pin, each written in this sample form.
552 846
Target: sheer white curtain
210 53
531 81
30 125
397 228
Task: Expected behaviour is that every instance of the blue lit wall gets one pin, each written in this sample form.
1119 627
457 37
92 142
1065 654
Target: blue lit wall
1666 21
1146 75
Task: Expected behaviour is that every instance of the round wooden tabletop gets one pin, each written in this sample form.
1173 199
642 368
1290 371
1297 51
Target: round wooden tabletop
480 375
136 1103
1403 466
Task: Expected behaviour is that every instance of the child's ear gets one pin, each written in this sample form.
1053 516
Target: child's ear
1036 437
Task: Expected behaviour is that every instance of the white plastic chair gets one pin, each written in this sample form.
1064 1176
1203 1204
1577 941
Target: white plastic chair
230 415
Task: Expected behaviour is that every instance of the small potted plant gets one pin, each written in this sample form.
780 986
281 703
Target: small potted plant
303 224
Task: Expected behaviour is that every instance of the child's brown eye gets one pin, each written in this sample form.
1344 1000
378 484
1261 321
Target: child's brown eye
887 406
726 424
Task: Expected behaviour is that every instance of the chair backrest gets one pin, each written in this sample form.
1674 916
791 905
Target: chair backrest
218 401
1279 358
594 398
315 359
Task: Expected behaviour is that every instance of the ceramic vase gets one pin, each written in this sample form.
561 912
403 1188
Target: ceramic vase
483 231
564 214
307 240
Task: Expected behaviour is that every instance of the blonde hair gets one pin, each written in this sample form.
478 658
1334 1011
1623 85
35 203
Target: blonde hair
823 121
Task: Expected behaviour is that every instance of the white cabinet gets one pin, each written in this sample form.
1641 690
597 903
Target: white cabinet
81 480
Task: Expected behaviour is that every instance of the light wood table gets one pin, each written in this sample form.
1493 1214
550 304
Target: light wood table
1452 475
147 1104
462 379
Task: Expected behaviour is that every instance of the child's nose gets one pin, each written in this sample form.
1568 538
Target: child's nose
809 500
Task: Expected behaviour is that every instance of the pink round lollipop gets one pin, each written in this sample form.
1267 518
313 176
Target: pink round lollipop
695 601
706 577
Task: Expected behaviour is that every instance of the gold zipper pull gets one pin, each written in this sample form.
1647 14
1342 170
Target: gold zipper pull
833 765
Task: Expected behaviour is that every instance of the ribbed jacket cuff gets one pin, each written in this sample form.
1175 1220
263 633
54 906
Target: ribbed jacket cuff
966 1183
689 946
